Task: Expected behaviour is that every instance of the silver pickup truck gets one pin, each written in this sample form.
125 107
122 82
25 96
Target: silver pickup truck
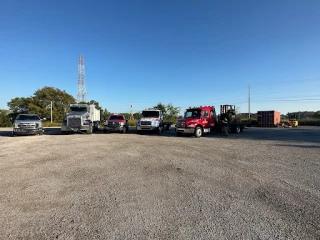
27 124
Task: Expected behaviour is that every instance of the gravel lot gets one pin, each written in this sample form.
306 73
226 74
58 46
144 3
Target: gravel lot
260 184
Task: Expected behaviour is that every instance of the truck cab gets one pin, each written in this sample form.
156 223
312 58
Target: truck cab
116 123
151 119
197 120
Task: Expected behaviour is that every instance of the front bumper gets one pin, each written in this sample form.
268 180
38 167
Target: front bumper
114 128
146 128
74 129
27 131
185 130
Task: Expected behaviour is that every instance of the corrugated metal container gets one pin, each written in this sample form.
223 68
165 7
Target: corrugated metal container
268 118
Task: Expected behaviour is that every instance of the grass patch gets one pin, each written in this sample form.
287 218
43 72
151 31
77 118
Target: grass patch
132 122
49 124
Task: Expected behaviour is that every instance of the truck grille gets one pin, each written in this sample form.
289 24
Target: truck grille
74 122
111 124
145 122
27 125
180 124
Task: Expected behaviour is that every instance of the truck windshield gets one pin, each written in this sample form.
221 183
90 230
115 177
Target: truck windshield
27 117
192 113
78 109
115 117
148 114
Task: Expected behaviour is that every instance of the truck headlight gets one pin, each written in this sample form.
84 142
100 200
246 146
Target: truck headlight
16 125
155 123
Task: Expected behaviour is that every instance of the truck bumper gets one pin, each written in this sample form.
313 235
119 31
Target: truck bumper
146 128
78 129
185 130
22 131
113 129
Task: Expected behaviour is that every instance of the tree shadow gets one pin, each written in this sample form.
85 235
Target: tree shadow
301 134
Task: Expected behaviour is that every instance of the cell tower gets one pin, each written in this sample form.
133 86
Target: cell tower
82 93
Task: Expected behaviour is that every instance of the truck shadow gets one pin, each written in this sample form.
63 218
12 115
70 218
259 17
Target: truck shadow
287 135
302 134
6 133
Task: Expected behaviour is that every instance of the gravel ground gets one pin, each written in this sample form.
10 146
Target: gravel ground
260 184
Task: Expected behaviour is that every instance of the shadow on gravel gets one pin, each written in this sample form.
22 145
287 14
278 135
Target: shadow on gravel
6 133
288 135
303 134
298 146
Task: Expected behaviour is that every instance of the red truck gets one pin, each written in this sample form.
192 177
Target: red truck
203 119
116 123
197 120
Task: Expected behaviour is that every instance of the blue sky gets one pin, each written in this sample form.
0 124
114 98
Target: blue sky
180 52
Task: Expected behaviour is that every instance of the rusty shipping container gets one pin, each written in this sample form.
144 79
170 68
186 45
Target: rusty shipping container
268 118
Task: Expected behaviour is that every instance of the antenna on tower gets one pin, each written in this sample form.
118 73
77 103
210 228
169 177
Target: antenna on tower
82 93
131 112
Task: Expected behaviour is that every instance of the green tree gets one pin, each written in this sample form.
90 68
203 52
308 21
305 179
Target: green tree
136 115
162 107
316 114
5 118
172 113
104 114
40 103
20 105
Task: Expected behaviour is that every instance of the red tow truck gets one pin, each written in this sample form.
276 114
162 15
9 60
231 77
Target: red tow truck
116 123
203 119
197 120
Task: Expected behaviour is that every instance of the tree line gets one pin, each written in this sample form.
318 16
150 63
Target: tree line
40 103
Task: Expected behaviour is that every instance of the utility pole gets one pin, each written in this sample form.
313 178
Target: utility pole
249 101
51 111
131 112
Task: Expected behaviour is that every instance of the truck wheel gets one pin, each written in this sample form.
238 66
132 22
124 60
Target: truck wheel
198 132
41 133
159 130
124 130
237 129
14 135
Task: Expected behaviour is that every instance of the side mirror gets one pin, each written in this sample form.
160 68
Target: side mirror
44 119
11 119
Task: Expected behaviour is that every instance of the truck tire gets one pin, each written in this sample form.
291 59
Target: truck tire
159 130
198 132
237 129
124 130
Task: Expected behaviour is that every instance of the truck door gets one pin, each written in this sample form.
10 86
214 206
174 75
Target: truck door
206 119
212 118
